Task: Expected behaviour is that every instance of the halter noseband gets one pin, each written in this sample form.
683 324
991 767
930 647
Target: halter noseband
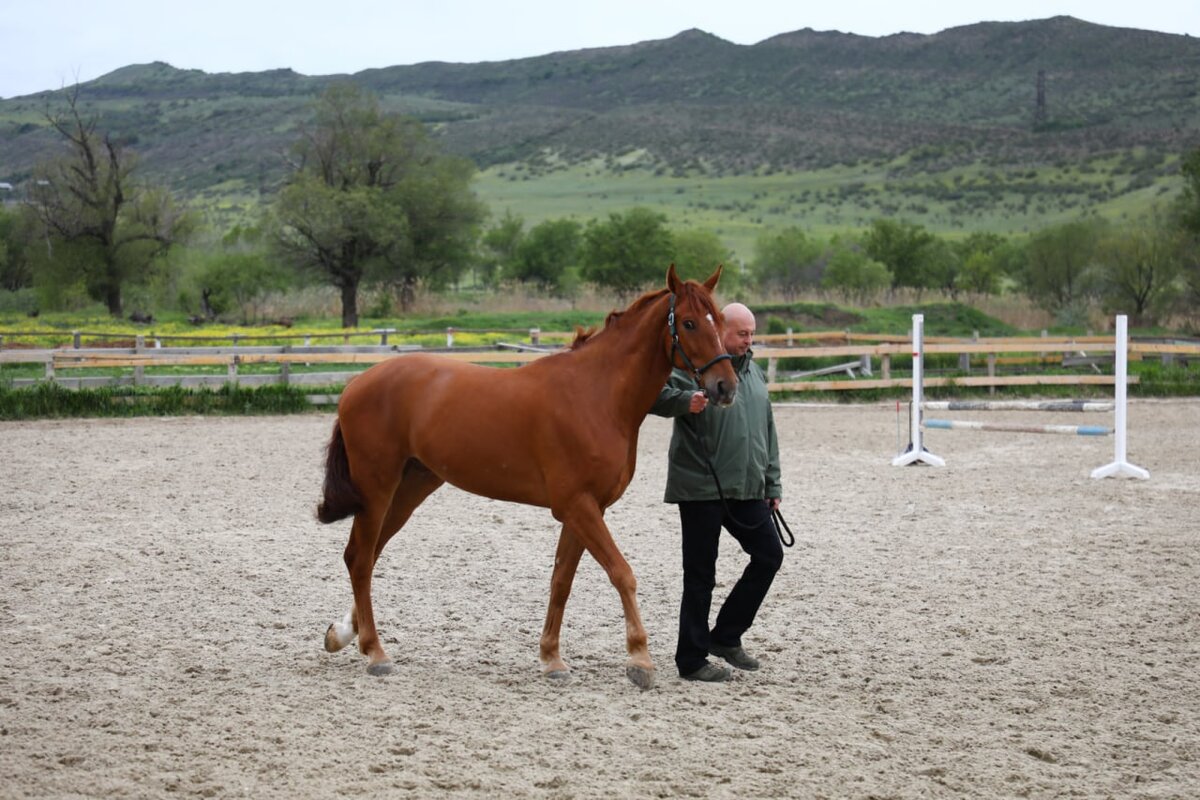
677 347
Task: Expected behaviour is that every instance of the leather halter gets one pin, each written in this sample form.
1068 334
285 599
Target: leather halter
677 347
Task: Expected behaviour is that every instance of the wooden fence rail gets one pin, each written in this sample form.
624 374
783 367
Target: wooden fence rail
856 360
76 337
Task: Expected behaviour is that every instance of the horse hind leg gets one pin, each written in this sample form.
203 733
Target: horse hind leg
340 634
415 486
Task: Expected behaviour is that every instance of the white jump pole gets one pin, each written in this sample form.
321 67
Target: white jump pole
1010 427
1120 466
916 453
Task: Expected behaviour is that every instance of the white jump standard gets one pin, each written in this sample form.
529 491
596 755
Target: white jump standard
916 452
1119 465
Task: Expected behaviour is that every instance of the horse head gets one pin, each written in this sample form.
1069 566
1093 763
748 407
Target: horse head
696 327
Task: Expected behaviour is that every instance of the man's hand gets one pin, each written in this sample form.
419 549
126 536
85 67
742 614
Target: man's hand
774 503
697 403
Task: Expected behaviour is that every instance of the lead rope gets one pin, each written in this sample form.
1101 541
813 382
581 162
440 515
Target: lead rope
776 517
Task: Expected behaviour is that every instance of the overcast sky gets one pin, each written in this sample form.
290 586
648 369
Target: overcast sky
47 44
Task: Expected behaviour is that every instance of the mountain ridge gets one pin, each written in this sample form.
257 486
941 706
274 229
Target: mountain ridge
689 104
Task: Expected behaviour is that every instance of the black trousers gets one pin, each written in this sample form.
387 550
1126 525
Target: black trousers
749 521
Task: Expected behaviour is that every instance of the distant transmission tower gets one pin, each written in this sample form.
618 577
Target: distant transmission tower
1039 112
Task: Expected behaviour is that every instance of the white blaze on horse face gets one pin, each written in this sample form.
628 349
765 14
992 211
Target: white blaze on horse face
716 333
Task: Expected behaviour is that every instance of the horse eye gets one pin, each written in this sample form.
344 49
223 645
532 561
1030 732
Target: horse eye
689 325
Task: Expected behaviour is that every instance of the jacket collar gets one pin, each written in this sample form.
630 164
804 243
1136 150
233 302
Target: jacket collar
740 362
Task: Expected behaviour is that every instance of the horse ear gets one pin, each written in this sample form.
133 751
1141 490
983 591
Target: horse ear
711 283
673 282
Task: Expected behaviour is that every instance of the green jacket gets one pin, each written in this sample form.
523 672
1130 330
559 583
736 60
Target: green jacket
740 440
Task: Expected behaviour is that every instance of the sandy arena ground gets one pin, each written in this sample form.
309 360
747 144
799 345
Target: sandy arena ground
1002 627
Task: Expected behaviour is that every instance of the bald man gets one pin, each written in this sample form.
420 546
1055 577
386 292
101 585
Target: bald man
740 445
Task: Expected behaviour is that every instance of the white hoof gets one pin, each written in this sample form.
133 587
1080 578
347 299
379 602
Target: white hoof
339 634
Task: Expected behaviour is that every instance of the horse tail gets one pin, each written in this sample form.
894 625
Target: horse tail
340 497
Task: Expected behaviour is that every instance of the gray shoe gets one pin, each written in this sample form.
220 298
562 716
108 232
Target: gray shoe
709 673
735 656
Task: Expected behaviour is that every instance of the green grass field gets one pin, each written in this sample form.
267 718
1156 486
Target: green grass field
739 208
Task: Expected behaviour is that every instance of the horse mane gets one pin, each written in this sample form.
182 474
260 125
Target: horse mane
583 336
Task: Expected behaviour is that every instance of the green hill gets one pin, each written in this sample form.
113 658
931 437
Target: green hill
822 128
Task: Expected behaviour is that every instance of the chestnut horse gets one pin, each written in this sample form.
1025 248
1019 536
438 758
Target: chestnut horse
560 432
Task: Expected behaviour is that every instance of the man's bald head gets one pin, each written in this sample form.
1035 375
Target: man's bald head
739 329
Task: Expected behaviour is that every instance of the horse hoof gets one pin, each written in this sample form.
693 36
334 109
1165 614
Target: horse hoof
337 636
332 644
559 676
380 668
642 678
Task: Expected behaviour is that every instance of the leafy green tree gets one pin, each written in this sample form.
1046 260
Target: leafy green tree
1139 265
627 251
16 238
1188 207
498 247
698 251
902 247
940 267
236 277
980 273
1187 210
444 217
1059 262
372 196
545 253
981 263
89 202
788 261
852 273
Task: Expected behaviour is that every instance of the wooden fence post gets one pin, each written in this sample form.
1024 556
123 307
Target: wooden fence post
771 365
535 336
964 359
885 366
790 343
139 372
449 337
991 368
75 339
285 372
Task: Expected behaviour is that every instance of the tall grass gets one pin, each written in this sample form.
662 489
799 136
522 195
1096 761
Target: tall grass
52 400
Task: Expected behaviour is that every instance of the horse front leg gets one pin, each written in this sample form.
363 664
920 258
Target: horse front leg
586 521
566 561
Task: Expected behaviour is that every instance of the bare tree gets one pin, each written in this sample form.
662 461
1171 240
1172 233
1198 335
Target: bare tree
111 229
